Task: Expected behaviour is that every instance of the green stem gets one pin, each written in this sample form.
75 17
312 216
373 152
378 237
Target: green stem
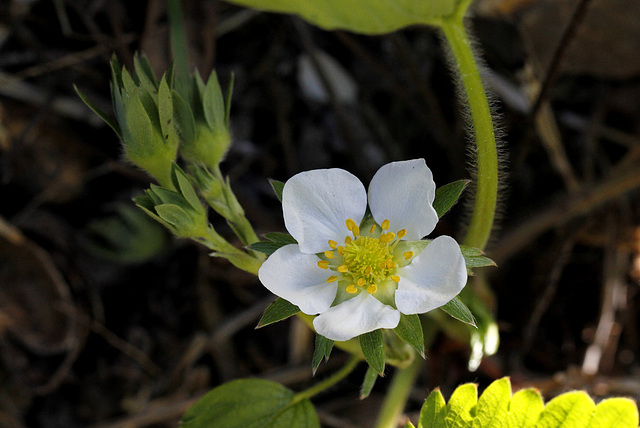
398 393
330 381
486 153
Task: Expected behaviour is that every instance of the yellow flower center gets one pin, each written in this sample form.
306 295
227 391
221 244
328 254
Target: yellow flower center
364 261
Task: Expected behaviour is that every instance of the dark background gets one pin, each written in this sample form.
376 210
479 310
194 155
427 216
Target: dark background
106 320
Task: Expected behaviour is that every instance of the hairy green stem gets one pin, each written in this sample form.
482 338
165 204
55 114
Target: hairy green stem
330 381
396 397
486 151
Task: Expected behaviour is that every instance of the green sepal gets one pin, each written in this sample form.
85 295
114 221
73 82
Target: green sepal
99 112
447 196
227 100
277 188
368 382
184 186
475 258
279 310
459 311
266 247
183 116
433 411
280 237
251 403
409 329
373 349
321 352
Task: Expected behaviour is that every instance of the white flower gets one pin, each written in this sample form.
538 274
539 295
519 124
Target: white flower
359 273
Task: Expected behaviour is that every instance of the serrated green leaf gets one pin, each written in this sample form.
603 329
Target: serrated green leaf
373 350
251 403
277 188
433 412
363 16
570 410
409 329
266 247
459 311
525 408
447 196
615 413
321 352
279 310
461 403
100 113
493 405
280 237
368 382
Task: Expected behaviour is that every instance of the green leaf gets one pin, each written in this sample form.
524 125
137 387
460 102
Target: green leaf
433 411
251 403
321 352
213 103
277 188
569 410
448 195
409 329
474 257
409 425
183 116
279 310
373 350
493 405
367 384
460 405
100 113
525 408
459 311
280 237
615 413
165 114
266 247
362 16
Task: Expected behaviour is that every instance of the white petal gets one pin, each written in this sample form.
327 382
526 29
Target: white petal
317 203
434 277
356 316
403 193
296 277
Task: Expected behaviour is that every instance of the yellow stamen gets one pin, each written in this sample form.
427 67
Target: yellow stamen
343 269
387 237
408 255
350 224
385 225
329 254
355 231
340 250
401 233
372 228
391 265
333 244
323 264
383 265
332 278
368 270
395 278
347 240
361 282
352 289
372 289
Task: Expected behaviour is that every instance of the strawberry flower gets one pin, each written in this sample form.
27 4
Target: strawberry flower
359 270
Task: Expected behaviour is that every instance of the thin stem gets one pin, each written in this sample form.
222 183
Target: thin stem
330 381
486 153
397 394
